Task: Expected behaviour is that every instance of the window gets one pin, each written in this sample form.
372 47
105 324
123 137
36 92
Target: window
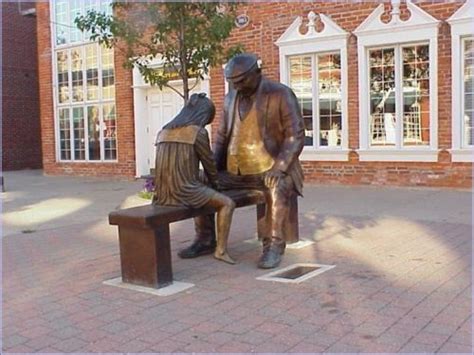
468 94
314 66
84 88
398 86
318 76
65 12
462 38
411 89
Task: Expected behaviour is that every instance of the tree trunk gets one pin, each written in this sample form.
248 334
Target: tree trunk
183 61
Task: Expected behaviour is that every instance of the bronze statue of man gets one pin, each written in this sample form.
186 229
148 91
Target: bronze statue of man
259 140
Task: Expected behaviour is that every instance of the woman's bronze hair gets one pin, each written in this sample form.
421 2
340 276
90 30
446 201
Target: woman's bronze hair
199 111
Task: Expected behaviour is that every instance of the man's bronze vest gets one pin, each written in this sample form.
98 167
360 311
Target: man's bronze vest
246 154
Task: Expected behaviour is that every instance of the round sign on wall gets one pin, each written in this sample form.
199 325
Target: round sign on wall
242 21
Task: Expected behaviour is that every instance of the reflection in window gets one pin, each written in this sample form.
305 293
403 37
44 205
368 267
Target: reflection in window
74 11
108 87
382 96
79 139
93 124
92 73
62 21
66 12
76 71
325 71
414 89
468 46
110 137
63 76
300 83
416 95
64 134
330 117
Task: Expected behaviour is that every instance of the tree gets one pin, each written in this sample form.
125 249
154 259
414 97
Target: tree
187 36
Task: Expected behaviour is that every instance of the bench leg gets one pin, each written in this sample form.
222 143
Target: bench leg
145 256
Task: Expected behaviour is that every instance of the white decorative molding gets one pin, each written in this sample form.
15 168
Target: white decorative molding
330 38
293 35
372 33
462 155
419 19
322 154
398 155
463 15
461 26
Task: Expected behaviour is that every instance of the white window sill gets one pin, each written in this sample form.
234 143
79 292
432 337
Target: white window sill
397 155
462 155
325 155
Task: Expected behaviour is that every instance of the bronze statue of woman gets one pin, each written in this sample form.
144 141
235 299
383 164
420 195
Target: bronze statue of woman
180 146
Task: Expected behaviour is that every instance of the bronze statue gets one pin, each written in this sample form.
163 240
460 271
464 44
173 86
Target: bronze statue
259 139
180 146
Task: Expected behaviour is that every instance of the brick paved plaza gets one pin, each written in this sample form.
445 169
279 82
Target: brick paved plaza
402 281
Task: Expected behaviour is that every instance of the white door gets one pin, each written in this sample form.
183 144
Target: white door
153 108
163 106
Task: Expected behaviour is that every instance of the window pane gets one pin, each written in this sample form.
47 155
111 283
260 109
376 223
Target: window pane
77 76
64 134
63 76
79 135
92 72
110 137
62 21
108 87
106 6
74 11
93 124
416 90
468 90
330 118
382 96
300 83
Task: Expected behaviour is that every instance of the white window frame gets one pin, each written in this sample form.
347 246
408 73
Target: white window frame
85 103
461 27
420 28
332 39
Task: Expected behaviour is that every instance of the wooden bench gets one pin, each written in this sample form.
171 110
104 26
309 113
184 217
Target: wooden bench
144 235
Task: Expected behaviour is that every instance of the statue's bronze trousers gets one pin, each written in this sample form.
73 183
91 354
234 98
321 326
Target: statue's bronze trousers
278 205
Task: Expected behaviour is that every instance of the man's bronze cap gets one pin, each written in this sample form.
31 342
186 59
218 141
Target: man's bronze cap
240 65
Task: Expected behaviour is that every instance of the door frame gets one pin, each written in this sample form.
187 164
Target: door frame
141 114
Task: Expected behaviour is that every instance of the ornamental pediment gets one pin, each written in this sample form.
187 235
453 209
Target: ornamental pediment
374 24
319 26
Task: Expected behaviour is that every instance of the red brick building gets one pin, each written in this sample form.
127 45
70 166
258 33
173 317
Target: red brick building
21 133
386 91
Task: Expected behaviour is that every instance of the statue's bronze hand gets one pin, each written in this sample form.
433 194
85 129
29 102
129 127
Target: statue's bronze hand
272 177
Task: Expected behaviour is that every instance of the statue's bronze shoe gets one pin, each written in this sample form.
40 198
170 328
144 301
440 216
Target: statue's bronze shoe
270 258
197 249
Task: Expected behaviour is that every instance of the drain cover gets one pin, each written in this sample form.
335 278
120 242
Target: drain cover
296 273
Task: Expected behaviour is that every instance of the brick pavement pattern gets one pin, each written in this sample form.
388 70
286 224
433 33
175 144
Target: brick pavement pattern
402 281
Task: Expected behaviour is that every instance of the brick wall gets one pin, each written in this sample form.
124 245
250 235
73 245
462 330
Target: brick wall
21 146
270 20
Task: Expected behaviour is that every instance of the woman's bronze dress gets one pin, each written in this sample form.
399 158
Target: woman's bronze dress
178 153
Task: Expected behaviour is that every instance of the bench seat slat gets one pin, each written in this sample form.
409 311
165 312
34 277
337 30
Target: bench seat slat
153 215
